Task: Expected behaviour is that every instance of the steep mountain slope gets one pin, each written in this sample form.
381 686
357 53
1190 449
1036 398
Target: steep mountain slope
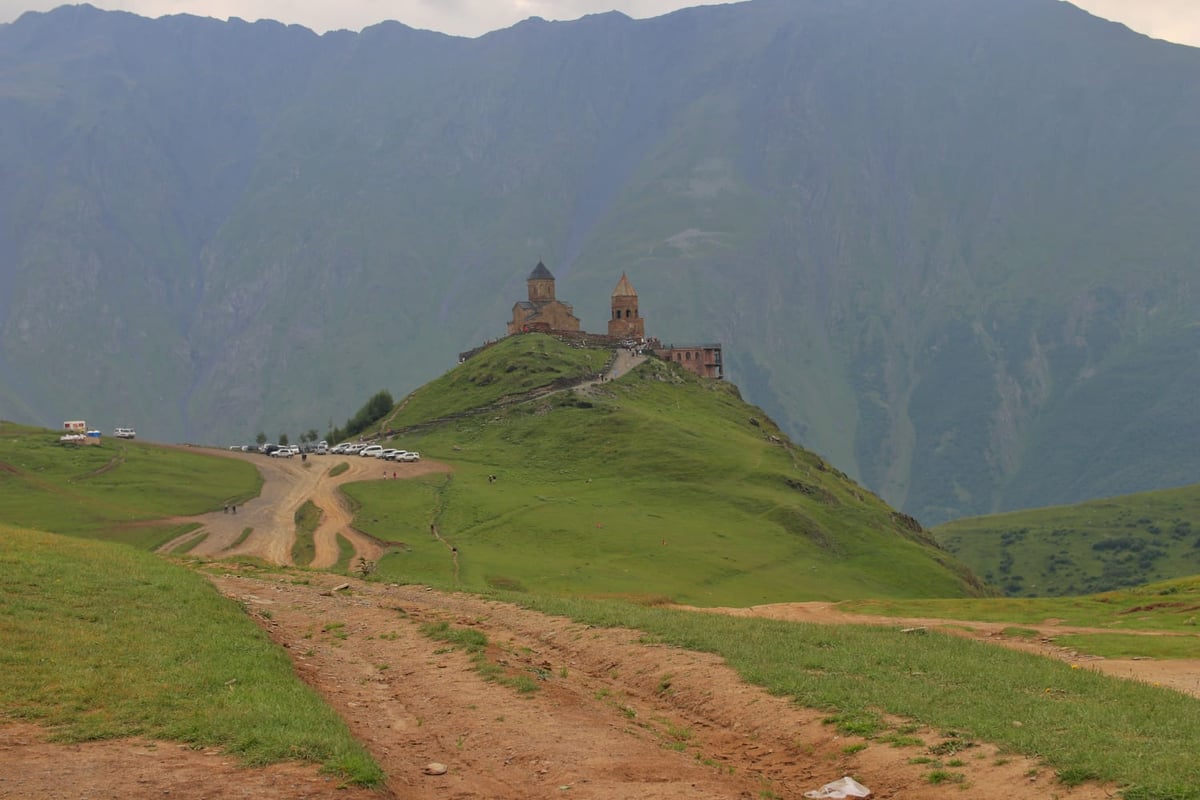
947 244
654 485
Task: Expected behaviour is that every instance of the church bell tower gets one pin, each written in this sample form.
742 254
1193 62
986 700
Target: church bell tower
625 321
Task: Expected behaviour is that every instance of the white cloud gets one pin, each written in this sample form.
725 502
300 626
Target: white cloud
1173 20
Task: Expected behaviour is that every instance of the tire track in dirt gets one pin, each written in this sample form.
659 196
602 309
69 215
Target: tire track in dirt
610 716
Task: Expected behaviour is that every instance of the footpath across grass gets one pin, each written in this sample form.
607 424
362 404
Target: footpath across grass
1168 606
103 641
1083 725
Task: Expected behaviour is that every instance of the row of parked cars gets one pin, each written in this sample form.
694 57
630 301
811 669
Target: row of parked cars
368 450
283 450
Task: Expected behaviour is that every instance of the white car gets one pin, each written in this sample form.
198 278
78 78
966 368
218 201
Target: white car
406 455
283 452
371 450
125 433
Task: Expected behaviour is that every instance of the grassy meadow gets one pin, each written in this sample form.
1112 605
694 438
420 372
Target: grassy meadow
1091 547
104 641
657 486
114 490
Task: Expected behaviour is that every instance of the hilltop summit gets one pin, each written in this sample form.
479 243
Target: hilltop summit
656 483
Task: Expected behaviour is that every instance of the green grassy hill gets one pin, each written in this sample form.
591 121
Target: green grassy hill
103 641
113 490
657 486
1091 547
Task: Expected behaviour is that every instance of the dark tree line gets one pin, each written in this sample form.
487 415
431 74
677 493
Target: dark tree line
379 406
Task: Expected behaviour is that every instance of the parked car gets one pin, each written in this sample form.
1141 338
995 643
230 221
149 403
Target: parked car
371 450
410 456
125 433
282 452
268 449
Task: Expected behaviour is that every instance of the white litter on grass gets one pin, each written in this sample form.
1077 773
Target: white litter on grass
846 787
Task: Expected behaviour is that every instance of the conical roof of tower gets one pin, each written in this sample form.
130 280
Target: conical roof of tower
540 273
624 288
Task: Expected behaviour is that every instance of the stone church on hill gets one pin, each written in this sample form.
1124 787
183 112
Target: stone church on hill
543 312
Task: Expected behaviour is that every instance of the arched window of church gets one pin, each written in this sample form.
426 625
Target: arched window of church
688 355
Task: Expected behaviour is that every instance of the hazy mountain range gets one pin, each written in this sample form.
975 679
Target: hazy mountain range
951 245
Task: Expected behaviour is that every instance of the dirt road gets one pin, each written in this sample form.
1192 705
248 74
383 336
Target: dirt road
607 717
270 518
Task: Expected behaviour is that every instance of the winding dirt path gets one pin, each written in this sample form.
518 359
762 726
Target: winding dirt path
270 518
1183 675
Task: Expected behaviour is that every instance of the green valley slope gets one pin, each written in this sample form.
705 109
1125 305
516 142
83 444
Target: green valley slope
657 486
1097 546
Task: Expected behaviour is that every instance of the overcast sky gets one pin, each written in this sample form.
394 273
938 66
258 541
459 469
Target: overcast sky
1174 20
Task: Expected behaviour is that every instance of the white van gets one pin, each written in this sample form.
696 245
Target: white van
371 450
